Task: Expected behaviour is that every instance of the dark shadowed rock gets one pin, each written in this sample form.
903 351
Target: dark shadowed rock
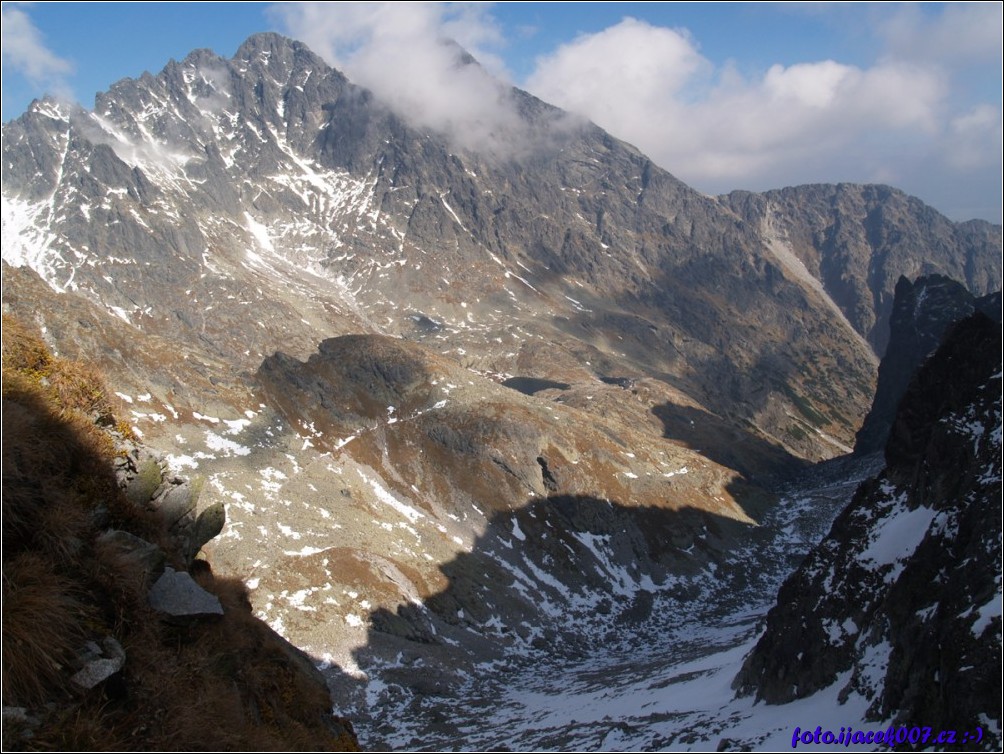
141 555
921 313
176 594
903 595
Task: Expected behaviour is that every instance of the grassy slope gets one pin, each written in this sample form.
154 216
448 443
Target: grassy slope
224 682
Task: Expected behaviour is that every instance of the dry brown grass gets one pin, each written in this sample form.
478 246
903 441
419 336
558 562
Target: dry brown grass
44 623
58 480
57 485
72 388
22 350
221 683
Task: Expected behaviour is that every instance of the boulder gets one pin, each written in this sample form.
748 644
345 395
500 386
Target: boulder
176 594
208 525
99 663
176 503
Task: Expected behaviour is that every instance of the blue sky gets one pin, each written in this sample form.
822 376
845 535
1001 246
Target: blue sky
725 96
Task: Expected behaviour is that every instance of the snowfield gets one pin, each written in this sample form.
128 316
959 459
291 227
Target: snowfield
665 683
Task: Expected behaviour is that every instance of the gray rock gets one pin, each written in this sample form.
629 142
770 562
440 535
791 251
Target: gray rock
177 594
18 727
208 525
141 487
99 663
14 715
176 503
858 240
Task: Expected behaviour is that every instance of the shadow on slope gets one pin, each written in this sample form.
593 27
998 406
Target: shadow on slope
901 600
750 454
561 577
88 663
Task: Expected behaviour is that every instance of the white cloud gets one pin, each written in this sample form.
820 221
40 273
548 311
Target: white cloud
962 33
403 52
651 86
24 50
822 121
632 61
901 118
969 133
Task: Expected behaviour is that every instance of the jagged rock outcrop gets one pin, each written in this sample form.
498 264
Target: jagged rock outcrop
921 313
147 483
901 602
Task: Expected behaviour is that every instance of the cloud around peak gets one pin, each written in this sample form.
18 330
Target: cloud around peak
897 119
412 57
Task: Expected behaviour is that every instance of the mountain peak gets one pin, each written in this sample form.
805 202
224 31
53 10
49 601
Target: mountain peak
201 56
548 335
266 40
267 46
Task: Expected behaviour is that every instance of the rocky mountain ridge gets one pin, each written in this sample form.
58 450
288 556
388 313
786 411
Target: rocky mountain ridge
424 377
901 601
857 241
275 200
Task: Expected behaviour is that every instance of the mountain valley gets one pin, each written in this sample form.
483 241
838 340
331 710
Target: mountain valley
518 440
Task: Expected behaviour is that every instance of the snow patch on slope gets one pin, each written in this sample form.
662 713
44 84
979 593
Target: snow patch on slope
27 242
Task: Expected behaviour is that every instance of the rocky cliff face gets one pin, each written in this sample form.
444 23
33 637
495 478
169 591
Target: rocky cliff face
900 603
858 240
921 313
